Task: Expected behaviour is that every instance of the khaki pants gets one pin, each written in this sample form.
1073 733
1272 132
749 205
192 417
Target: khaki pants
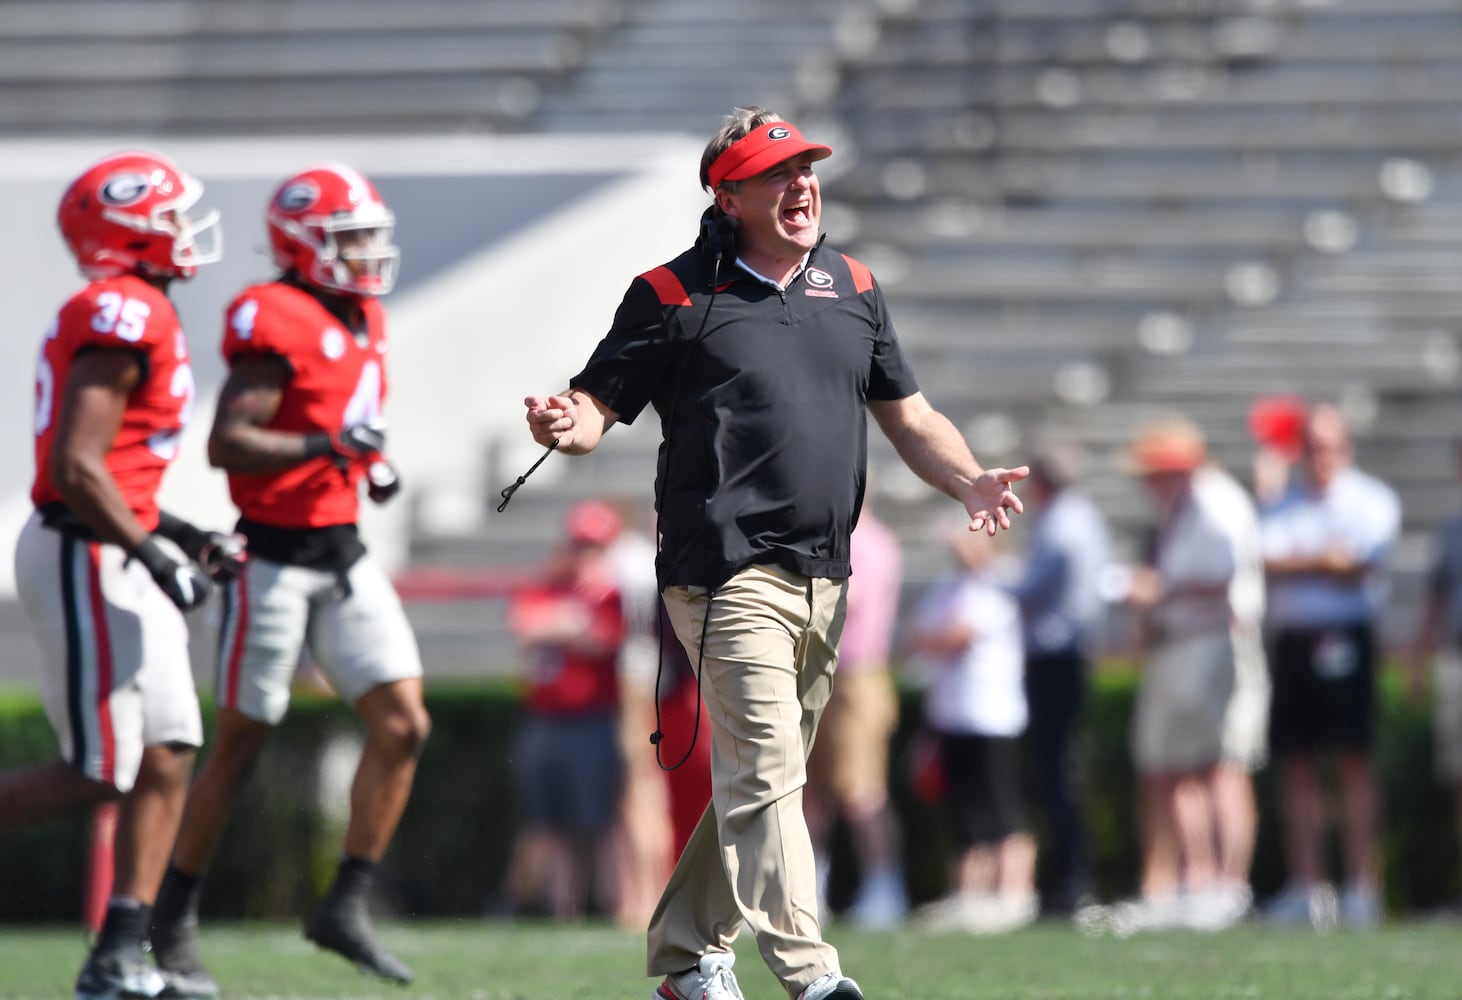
770 652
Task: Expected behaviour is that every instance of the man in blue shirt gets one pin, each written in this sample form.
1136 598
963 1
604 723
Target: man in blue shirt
1324 543
1062 615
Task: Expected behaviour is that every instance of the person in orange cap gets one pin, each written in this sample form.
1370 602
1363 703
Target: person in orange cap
1202 706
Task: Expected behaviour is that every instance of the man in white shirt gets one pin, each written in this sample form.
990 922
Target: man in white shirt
1204 698
1325 541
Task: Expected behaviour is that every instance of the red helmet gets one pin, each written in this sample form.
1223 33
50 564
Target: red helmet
128 213
330 226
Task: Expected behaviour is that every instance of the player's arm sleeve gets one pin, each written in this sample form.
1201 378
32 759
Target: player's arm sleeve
630 363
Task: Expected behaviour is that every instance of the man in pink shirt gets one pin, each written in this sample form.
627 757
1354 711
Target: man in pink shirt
847 773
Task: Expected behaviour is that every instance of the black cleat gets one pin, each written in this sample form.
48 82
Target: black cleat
175 949
345 928
173 937
123 974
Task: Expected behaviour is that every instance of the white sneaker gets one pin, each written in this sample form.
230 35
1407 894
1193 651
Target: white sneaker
832 986
953 912
978 913
1217 907
1002 914
882 902
1360 908
1132 916
711 979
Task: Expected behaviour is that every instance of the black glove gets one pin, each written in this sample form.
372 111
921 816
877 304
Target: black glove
359 441
382 481
185 584
219 555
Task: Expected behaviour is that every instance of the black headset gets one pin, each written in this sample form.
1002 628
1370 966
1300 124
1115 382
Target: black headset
718 235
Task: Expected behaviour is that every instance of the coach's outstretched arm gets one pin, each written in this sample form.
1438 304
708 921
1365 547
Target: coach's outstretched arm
575 419
937 453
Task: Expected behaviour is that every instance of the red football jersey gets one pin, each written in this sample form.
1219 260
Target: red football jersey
337 380
120 312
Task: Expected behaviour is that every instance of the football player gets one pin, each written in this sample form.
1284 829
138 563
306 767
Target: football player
103 573
299 431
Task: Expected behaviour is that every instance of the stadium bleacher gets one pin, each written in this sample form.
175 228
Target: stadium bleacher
1084 212
1268 182
181 67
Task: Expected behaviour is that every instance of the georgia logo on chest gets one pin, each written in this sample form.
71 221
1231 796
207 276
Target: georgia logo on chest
332 343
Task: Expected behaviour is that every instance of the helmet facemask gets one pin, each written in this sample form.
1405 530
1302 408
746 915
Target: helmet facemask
357 251
349 252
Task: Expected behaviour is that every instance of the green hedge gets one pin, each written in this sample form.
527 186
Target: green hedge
450 853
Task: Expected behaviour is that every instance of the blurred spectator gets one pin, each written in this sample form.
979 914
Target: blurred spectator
642 839
684 751
1439 645
1324 543
658 693
567 759
968 627
847 773
1277 425
1062 615
1199 723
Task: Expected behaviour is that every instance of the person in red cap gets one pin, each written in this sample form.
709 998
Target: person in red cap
1327 543
567 766
762 351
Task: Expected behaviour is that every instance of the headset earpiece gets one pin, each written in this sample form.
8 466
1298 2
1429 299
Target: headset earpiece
718 235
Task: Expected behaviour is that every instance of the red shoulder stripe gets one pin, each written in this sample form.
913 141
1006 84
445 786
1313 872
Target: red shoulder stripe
862 277
667 286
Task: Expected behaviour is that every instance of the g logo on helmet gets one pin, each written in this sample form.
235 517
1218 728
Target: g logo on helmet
124 189
298 197
780 132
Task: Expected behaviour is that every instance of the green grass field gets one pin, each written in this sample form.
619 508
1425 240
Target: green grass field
497 961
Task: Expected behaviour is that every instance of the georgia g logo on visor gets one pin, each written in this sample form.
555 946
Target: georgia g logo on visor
298 197
124 189
780 132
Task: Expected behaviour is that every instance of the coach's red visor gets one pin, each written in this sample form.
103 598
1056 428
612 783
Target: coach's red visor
761 149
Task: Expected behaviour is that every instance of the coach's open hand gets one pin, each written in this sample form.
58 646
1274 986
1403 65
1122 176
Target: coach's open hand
990 501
